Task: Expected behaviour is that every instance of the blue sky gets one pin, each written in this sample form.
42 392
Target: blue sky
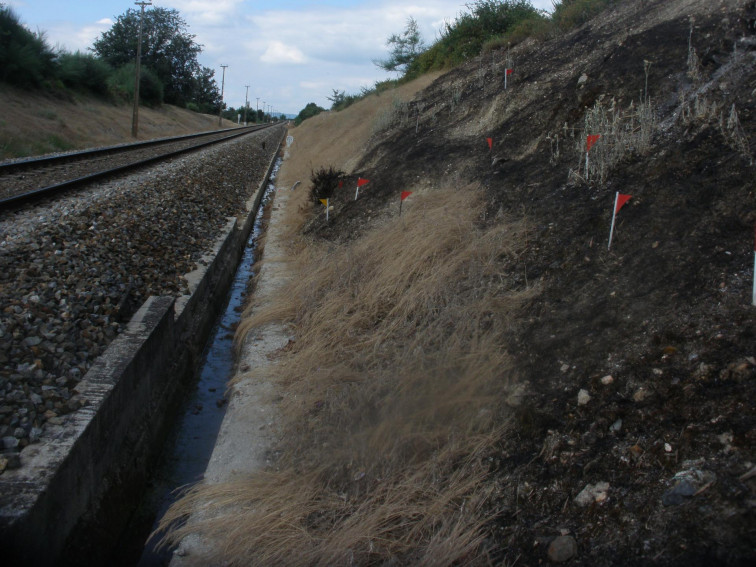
290 52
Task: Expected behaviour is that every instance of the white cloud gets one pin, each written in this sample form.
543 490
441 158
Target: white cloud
314 85
205 12
278 52
290 56
76 38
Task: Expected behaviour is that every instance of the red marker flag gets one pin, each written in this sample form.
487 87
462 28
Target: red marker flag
591 140
360 183
341 184
619 201
490 143
405 194
507 72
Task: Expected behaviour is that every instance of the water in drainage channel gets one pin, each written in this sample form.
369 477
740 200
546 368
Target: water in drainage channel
191 442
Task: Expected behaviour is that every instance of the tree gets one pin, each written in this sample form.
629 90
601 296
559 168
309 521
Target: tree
405 48
167 49
207 96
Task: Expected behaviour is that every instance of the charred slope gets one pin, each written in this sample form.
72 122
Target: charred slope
659 332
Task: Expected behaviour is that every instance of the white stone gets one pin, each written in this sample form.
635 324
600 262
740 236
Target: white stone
583 397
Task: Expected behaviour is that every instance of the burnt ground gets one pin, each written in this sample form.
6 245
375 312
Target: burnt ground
659 331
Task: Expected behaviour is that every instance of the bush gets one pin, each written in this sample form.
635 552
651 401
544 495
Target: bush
25 58
121 85
324 183
569 14
81 71
308 111
464 37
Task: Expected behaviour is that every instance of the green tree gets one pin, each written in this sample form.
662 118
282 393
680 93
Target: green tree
168 49
25 58
405 48
207 96
308 111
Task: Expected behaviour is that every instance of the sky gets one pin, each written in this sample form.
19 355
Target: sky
289 52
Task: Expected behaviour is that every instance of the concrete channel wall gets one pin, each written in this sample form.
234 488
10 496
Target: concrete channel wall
72 496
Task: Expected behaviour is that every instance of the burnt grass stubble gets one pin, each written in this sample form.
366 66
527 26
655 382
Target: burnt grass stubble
666 313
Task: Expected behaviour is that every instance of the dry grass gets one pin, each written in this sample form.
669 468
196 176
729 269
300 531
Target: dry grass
32 124
334 139
394 392
340 138
623 132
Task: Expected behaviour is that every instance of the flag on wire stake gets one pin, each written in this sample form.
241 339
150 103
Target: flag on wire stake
507 72
405 194
326 205
589 143
490 143
360 183
619 202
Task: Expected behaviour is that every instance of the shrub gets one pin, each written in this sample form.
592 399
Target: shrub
324 183
121 85
569 14
464 37
25 58
81 71
308 111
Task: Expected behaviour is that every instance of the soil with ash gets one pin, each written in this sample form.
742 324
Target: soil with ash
634 434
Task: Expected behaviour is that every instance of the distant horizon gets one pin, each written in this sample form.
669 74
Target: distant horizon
290 52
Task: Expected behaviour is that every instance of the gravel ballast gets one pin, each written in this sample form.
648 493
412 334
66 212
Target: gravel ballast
73 272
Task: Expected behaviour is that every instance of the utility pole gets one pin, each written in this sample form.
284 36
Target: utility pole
135 114
264 106
246 104
257 109
223 84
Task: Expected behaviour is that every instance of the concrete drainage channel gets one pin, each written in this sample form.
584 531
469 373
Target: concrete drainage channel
76 491
193 438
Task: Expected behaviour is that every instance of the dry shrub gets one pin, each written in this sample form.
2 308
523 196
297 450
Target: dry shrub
623 132
394 395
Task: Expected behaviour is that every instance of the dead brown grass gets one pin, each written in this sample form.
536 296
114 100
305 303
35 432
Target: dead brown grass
33 124
336 139
393 400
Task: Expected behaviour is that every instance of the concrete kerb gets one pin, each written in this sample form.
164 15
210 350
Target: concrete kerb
95 466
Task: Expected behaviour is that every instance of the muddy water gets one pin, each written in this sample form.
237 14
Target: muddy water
192 439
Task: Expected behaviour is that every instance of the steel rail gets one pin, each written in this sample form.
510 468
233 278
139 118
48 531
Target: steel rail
49 161
52 190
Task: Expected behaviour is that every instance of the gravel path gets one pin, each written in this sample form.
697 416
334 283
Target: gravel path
72 273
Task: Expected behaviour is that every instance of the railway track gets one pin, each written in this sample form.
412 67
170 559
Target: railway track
31 180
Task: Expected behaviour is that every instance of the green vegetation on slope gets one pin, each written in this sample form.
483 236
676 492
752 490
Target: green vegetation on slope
170 71
489 24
